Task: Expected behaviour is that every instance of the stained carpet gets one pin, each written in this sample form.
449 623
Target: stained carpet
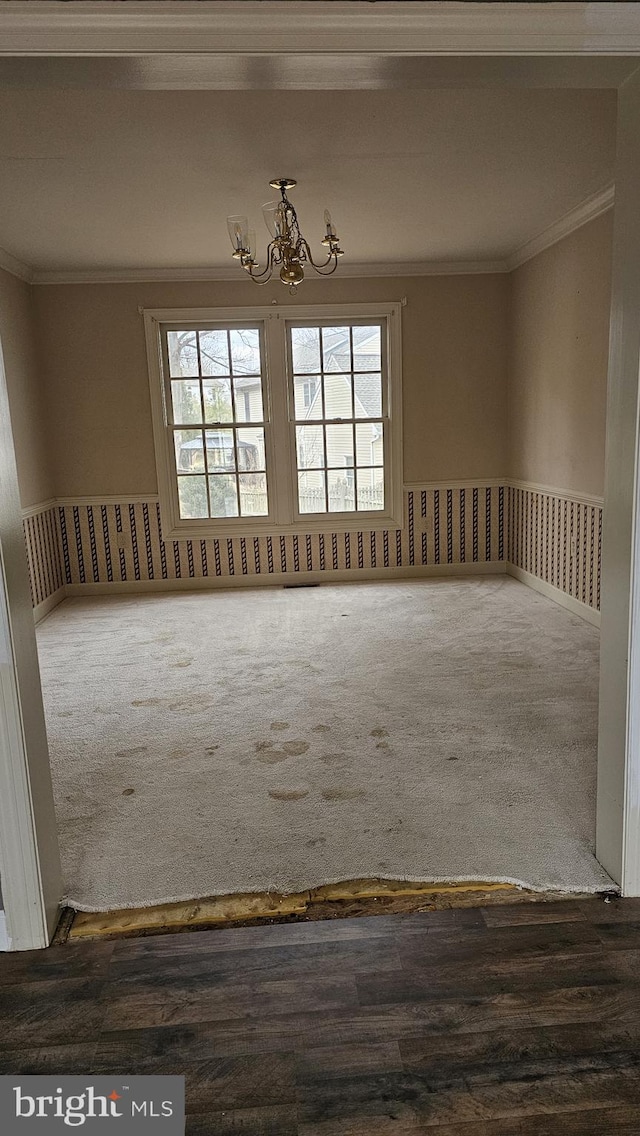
210 742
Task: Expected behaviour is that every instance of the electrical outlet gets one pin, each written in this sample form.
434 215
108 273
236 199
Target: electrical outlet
573 548
123 540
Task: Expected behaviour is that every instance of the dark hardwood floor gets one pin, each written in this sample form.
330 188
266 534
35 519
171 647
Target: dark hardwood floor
506 1021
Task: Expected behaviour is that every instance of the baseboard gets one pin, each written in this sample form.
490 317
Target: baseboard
43 609
279 579
559 597
331 576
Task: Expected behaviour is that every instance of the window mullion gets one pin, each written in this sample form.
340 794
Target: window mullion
355 457
282 430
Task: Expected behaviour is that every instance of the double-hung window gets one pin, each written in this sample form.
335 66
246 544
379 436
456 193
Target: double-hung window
216 411
276 418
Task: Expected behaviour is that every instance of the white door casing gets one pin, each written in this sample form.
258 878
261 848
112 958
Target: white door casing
29 857
618 815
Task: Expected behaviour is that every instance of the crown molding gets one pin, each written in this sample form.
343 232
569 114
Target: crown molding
587 211
227 273
423 27
16 267
425 268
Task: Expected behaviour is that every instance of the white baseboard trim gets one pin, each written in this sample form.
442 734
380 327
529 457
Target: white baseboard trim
42 610
329 576
5 941
559 597
279 579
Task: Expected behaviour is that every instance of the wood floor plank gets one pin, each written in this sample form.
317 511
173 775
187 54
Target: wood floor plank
454 980
45 1013
395 1122
624 1121
441 1097
88 960
49 1059
610 909
268 1120
531 1043
237 1037
519 914
623 935
213 1084
380 1057
129 1005
501 1011
301 960
557 940
290 934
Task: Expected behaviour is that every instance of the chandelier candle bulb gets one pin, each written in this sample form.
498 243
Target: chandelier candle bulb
331 232
288 251
252 247
238 228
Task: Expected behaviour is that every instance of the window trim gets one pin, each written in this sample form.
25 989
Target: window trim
279 429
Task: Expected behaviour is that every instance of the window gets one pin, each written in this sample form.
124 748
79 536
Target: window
286 418
215 410
340 432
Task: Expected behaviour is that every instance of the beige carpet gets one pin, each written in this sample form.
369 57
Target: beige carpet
205 742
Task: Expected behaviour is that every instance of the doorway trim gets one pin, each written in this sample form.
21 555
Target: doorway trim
198 34
29 856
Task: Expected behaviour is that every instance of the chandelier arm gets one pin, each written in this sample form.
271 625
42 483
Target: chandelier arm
320 268
267 272
322 272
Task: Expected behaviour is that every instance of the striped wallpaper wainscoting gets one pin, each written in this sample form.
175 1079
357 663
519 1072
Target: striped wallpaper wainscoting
107 542
557 539
42 538
114 542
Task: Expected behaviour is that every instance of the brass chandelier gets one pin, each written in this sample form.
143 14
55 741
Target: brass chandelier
287 248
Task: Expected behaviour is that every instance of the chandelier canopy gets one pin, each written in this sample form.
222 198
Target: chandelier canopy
287 247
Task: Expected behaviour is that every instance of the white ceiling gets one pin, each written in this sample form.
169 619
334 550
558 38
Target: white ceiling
139 179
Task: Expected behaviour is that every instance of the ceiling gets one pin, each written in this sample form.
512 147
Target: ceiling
144 179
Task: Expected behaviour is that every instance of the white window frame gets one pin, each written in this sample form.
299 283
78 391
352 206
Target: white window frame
278 414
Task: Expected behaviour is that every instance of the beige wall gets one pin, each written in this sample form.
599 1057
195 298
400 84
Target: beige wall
558 362
26 394
465 417
95 372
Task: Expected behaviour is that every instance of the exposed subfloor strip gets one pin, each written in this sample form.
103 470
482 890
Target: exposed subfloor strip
333 901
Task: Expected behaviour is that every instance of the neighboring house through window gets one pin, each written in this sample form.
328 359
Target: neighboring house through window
309 388
265 421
